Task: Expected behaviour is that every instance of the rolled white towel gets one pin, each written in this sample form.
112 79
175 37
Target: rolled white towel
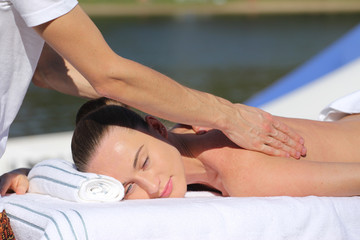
349 104
59 178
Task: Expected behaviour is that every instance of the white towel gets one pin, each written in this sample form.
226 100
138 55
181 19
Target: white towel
35 216
350 104
59 178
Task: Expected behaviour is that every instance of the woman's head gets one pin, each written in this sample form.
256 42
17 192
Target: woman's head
117 142
94 104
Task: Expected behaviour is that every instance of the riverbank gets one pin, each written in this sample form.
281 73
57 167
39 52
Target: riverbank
251 7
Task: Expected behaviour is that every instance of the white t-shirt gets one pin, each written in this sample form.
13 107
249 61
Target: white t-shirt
20 49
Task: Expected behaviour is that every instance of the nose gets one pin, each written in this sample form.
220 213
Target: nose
150 184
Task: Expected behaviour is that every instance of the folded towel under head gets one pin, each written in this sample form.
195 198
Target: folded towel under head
59 178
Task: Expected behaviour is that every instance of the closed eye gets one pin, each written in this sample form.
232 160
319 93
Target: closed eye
146 163
129 188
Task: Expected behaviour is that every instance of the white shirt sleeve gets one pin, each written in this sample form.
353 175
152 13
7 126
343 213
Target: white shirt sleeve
36 12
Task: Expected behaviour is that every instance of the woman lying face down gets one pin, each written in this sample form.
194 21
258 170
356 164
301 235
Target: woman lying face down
152 162
132 151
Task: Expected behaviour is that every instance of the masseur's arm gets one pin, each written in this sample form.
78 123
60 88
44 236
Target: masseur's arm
54 72
78 40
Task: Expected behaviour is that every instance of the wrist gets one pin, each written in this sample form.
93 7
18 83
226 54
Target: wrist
225 116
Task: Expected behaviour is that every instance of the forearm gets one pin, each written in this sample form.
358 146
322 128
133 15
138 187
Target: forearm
129 82
157 94
283 177
54 72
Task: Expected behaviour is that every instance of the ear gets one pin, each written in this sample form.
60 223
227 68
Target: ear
155 124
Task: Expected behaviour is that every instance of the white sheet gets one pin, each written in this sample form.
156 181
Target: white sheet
341 107
42 217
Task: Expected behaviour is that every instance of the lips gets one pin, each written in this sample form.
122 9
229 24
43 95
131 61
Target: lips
167 190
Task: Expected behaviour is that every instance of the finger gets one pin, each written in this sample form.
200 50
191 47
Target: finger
21 189
276 144
287 140
304 151
273 151
4 188
200 130
288 131
292 152
289 137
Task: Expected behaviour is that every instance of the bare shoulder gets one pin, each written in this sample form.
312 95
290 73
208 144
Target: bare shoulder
229 164
214 148
239 170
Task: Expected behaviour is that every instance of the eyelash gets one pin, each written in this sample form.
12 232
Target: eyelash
146 163
130 186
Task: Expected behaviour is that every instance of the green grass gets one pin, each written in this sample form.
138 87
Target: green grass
164 7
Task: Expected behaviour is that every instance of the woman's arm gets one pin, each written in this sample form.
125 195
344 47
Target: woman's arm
76 38
14 181
256 175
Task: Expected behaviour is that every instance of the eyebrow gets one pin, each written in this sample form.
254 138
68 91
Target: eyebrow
137 156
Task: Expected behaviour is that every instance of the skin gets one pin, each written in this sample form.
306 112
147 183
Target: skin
14 181
54 72
331 167
88 67
157 163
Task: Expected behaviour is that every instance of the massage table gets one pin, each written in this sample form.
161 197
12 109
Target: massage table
200 215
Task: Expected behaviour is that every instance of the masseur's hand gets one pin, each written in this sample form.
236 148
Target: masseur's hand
14 181
255 129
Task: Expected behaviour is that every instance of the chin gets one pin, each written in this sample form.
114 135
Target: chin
181 193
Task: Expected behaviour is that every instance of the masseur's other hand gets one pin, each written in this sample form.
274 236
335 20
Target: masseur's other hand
260 131
200 130
14 181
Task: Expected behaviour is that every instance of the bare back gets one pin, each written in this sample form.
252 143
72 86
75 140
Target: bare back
329 141
235 170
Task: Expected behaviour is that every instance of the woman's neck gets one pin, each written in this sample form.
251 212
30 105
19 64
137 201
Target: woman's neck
195 170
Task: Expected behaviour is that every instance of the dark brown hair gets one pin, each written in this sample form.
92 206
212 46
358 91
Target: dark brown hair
92 127
94 104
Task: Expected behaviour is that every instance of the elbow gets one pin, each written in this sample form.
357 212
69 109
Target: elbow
39 81
111 79
102 90
110 87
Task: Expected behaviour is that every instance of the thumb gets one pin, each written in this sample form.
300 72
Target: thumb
200 130
22 186
21 189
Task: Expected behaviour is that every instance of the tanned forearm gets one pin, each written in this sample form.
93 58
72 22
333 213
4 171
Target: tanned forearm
78 40
54 72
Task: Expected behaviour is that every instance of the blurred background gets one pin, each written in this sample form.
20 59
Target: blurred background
231 48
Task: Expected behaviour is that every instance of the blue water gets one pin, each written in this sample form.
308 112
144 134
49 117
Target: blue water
233 57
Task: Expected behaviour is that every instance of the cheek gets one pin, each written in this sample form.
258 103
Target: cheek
180 189
139 193
171 155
